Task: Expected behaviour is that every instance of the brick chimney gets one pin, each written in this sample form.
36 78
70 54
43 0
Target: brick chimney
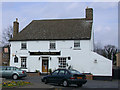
15 27
89 13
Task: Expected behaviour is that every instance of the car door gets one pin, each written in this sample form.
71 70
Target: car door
8 72
4 71
61 76
53 77
0 71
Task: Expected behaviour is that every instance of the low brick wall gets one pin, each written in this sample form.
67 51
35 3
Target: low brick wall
33 74
89 77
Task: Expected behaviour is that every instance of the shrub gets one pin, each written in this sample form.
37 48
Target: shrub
50 70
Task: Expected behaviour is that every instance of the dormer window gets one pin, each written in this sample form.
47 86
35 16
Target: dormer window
77 44
52 45
24 45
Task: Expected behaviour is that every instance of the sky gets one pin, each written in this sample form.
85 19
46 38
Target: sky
105 16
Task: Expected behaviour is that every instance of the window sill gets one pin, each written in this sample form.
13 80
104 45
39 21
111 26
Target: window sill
76 48
23 49
52 49
16 62
23 68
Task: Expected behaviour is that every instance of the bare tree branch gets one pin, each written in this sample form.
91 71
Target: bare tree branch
6 35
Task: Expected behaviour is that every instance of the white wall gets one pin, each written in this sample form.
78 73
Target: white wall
82 60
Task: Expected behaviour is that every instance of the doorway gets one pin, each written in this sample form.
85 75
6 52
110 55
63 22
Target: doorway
45 64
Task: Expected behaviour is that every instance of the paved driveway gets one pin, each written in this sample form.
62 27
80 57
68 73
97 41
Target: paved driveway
36 83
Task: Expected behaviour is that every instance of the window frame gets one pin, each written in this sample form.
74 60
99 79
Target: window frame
52 45
15 61
23 45
56 73
76 44
6 49
62 62
24 59
61 73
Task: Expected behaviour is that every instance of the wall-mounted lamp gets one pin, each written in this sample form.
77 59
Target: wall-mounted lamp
69 58
39 58
67 64
95 61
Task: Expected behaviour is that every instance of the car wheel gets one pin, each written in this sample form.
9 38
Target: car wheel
15 77
65 83
79 85
45 80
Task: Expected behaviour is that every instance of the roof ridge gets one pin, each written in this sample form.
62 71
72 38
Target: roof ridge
61 19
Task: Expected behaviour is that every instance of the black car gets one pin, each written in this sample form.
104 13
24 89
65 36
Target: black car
65 77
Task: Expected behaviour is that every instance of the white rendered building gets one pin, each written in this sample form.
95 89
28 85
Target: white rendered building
58 43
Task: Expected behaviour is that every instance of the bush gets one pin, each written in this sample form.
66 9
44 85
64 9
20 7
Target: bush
50 70
36 71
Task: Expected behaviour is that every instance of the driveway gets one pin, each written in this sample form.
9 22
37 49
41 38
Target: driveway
36 83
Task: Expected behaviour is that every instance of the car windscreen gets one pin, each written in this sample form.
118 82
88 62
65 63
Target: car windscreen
74 72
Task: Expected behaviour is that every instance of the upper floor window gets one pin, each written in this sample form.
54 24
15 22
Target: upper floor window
77 44
52 45
24 45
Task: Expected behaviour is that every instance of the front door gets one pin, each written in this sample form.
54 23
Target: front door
44 64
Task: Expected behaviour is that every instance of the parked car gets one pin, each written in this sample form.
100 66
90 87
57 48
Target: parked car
65 77
12 72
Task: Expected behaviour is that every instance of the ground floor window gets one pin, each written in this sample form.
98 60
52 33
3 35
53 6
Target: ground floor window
15 59
23 62
62 62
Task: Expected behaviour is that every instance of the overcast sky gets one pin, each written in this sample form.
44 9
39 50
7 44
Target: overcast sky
105 15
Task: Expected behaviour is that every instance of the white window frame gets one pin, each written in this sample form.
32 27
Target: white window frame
23 47
52 45
76 44
62 62
15 59
24 59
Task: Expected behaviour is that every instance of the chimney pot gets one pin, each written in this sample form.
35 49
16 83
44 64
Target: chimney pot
16 19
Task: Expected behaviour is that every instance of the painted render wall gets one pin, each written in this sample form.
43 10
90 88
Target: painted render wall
82 60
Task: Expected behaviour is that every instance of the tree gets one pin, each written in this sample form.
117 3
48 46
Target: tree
110 52
98 48
7 33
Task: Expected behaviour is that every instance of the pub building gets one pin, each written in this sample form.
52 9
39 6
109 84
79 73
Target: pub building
58 43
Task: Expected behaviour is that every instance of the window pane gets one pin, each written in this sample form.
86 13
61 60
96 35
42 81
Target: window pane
62 72
23 46
6 50
55 73
16 59
23 62
52 45
77 43
62 62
